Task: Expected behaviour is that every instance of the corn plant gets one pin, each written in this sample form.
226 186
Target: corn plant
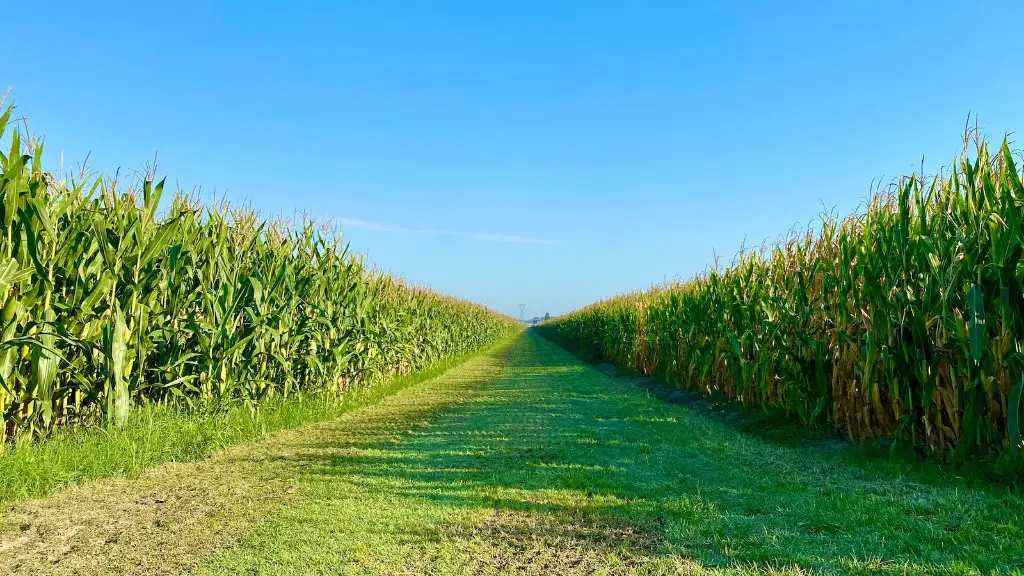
903 320
109 300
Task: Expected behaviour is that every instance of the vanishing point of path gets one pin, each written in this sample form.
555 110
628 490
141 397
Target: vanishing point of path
522 460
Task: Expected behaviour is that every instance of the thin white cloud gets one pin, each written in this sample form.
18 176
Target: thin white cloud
382 227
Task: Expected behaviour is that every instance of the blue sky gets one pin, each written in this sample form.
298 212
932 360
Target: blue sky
536 152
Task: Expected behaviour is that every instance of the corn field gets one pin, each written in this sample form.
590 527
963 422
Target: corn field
903 320
109 301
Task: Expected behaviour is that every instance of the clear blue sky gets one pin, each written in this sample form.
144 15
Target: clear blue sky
569 151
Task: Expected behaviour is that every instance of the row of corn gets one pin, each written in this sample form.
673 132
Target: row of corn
110 299
903 320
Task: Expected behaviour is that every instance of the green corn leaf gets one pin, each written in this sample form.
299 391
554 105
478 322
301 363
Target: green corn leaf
976 324
12 273
118 395
1013 422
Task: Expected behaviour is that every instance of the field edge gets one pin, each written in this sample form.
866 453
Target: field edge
157 435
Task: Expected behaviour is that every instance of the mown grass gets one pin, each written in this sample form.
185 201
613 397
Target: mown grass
884 455
172 516
554 468
158 434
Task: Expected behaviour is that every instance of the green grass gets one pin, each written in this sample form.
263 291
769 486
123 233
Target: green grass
553 467
165 434
882 455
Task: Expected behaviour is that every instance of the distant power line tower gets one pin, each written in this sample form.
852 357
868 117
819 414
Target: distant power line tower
522 307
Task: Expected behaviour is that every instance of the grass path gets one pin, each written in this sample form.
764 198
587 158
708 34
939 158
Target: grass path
175 514
523 461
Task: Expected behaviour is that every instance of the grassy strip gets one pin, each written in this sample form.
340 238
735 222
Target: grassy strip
553 468
165 434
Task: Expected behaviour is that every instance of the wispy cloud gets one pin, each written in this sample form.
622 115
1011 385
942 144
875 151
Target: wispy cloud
382 227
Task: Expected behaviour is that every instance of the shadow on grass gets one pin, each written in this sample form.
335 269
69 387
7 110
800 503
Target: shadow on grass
883 455
563 466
